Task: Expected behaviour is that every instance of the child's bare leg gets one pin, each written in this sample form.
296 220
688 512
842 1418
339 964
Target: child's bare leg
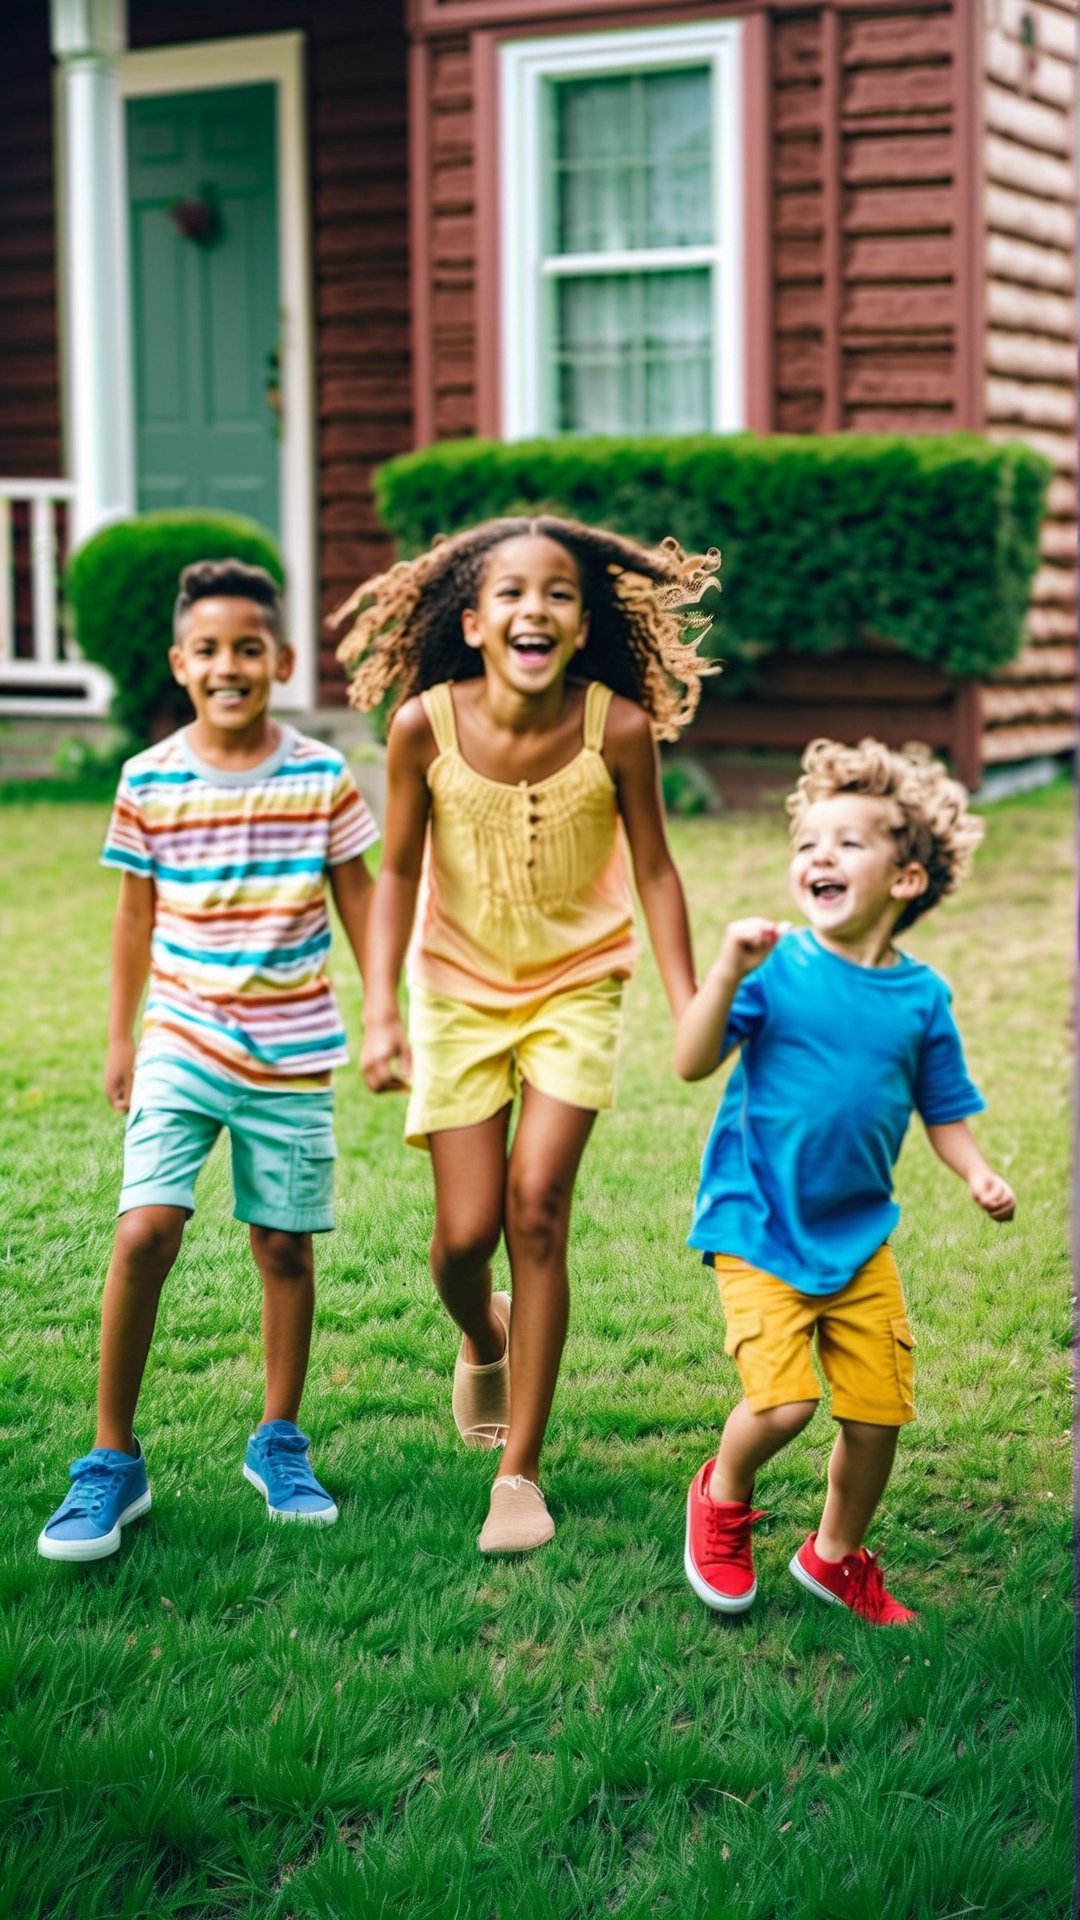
286 1262
146 1245
469 1164
859 1469
543 1166
748 1440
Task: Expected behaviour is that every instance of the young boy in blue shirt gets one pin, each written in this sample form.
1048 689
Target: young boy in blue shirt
842 1037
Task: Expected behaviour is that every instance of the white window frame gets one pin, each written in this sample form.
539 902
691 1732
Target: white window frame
525 67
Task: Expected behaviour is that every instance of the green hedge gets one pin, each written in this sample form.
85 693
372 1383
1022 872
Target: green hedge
121 585
929 543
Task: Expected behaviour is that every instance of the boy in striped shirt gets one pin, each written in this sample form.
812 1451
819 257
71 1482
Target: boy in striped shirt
226 835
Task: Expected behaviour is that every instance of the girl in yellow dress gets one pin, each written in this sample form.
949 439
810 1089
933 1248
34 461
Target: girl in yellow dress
534 661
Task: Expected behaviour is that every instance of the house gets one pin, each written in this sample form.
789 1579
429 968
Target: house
247 253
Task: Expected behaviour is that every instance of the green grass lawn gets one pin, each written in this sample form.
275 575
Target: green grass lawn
237 1720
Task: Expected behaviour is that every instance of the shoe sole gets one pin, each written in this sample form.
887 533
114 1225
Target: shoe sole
322 1517
99 1549
515 1546
719 1602
813 1586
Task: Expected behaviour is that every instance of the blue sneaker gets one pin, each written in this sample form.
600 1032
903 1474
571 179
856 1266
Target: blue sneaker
109 1489
276 1462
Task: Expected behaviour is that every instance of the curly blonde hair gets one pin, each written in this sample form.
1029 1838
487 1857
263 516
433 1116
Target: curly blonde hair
644 626
935 827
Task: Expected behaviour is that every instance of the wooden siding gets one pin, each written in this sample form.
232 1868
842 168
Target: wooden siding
356 62
451 295
868 296
29 361
1031 344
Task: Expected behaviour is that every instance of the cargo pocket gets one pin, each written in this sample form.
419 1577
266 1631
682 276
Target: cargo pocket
742 1338
904 1356
311 1169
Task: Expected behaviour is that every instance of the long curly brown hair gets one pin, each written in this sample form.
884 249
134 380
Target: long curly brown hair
645 627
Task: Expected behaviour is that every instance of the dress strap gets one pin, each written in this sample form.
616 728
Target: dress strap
438 704
597 702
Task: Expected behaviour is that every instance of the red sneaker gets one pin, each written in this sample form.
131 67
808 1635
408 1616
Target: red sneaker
718 1561
856 1581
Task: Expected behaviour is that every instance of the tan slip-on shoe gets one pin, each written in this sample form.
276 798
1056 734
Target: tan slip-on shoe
481 1397
517 1517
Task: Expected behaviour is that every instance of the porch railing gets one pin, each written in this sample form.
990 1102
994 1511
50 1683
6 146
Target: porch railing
41 671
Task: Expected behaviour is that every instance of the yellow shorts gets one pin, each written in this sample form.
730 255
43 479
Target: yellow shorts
864 1341
468 1062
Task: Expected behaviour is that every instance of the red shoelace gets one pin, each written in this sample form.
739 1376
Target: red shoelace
869 1596
727 1534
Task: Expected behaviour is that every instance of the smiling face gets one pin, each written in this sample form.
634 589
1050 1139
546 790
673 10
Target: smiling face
846 876
228 657
528 621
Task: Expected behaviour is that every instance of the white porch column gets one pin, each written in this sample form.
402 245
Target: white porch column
88 38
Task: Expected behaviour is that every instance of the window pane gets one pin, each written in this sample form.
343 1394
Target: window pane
593 120
677 352
634 353
632 161
596 214
595 333
677 111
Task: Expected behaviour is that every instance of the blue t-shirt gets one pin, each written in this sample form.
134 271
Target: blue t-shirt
796 1177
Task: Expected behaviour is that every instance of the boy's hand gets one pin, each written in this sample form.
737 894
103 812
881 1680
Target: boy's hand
119 1073
993 1194
748 942
385 1060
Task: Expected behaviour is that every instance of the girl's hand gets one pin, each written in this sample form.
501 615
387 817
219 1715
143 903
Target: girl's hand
748 942
385 1060
993 1194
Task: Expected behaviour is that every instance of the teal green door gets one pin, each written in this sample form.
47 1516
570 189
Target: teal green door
202 173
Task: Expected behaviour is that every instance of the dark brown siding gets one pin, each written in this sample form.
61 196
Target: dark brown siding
452 293
356 59
865 178
1031 339
29 370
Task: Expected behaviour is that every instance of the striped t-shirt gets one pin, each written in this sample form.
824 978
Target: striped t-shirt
238 984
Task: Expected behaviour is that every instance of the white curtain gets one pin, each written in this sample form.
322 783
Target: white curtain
632 161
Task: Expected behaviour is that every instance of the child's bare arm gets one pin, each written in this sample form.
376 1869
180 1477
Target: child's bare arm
132 928
956 1145
385 1060
699 1035
636 770
352 886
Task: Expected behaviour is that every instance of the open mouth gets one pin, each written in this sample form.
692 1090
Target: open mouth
533 646
828 889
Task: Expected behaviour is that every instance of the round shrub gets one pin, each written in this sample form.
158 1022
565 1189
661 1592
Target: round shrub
121 585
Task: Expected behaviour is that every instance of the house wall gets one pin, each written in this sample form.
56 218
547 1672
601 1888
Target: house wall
919 278
1030 341
29 362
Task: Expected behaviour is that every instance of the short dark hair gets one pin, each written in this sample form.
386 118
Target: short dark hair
229 580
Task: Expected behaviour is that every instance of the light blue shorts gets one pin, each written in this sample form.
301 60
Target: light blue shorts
282 1146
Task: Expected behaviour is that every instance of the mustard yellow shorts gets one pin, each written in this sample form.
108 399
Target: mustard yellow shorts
469 1062
863 1339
